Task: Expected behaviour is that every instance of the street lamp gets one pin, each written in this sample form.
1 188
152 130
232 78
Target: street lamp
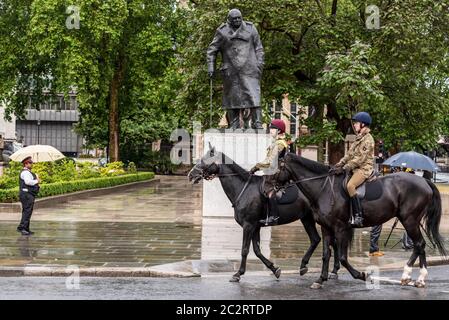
38 130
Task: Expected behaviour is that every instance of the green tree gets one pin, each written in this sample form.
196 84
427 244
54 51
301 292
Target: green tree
323 53
119 61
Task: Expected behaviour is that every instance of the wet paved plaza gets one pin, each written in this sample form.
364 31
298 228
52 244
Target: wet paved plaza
148 226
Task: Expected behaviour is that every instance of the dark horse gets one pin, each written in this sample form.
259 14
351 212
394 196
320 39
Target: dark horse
243 190
408 197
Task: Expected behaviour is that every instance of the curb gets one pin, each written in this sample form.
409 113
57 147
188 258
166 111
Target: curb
46 202
182 269
58 271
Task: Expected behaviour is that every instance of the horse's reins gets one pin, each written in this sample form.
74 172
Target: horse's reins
329 178
210 177
243 190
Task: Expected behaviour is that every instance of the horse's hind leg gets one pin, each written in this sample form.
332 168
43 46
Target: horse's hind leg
342 237
418 251
256 247
421 283
247 235
334 272
314 237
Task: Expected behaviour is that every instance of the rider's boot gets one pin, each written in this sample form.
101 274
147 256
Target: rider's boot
357 212
272 220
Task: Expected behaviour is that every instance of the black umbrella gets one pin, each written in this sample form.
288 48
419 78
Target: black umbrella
413 160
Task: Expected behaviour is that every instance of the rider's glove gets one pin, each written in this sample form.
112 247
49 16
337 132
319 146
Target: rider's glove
254 170
337 170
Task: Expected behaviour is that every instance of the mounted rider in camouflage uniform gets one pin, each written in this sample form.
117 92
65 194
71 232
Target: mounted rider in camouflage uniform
269 165
359 160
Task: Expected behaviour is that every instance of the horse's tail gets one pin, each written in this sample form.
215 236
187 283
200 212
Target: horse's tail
433 217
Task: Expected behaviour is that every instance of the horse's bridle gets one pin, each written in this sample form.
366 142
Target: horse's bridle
209 177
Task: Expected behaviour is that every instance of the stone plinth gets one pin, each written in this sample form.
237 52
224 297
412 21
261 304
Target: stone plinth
221 237
246 149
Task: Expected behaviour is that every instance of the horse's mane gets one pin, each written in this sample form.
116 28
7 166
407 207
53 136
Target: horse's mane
231 163
313 166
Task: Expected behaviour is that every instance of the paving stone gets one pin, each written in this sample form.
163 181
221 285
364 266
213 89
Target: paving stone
129 231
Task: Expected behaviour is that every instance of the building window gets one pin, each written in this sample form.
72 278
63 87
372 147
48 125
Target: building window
277 109
293 119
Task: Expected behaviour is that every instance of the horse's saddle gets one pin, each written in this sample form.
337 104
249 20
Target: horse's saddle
284 194
369 190
287 195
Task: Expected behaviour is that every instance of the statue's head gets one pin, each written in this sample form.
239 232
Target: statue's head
235 18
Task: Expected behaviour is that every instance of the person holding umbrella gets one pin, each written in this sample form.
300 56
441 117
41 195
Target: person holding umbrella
28 181
28 190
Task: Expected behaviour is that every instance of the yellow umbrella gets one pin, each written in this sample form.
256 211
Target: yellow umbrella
38 153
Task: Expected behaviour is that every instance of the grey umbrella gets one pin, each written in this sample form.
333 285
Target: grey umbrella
412 159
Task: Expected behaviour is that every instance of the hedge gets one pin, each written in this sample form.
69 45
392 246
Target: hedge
52 189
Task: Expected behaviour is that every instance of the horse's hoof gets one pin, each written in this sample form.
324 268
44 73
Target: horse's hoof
364 276
277 272
406 281
333 276
316 285
235 279
303 271
420 284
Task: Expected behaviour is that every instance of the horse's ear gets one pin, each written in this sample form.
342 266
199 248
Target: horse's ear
211 150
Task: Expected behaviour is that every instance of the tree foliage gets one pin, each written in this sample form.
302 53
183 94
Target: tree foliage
120 62
323 53
139 65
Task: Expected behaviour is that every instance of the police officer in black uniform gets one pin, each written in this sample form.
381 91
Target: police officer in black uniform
28 190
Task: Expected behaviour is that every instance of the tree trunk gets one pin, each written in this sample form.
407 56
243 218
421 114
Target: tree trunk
337 150
114 124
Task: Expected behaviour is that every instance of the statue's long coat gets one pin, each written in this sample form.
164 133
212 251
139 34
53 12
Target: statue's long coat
242 65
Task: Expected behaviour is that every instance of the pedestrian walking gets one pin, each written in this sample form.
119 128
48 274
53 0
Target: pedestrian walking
2 146
374 242
28 190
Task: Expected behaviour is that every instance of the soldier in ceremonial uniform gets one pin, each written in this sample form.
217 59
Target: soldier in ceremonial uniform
28 190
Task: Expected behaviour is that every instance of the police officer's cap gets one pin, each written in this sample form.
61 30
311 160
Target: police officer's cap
27 160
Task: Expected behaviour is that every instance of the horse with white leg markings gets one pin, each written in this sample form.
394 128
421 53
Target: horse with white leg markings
243 190
408 197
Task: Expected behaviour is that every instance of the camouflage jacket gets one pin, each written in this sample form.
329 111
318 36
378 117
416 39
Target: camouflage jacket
274 151
360 156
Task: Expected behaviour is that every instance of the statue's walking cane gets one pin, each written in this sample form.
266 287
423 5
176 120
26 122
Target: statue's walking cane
210 113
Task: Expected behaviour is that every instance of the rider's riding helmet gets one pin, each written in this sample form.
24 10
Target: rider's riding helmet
363 117
278 124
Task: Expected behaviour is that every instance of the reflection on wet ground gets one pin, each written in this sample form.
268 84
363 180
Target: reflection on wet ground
144 227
